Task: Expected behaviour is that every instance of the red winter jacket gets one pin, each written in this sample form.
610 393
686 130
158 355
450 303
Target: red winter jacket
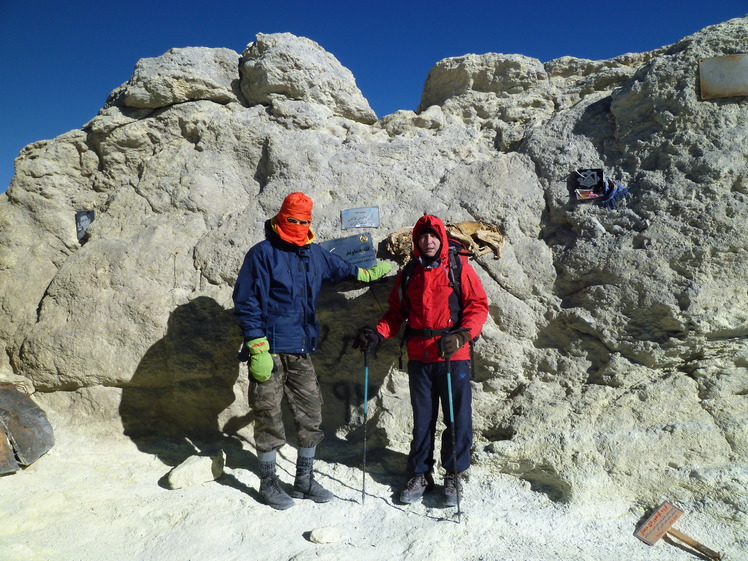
429 292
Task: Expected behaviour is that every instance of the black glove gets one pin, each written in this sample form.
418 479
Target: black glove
243 355
453 341
368 340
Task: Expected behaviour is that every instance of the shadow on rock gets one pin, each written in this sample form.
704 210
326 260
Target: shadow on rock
341 371
170 407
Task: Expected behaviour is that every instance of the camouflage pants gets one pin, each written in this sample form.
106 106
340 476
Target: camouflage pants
295 379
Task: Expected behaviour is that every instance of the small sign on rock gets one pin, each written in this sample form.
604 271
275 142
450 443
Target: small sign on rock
661 523
357 249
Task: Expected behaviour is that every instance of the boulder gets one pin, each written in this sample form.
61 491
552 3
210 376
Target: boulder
25 433
283 66
196 470
180 75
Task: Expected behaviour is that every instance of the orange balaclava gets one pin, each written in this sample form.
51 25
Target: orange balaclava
298 207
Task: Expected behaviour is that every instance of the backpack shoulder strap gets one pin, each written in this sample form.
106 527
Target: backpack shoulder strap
402 288
455 255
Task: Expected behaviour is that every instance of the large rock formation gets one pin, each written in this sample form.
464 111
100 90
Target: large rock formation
614 360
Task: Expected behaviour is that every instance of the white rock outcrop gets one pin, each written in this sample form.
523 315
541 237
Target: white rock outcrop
282 65
180 75
614 361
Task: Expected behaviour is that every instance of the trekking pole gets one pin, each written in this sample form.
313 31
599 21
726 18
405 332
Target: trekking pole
454 446
472 361
366 407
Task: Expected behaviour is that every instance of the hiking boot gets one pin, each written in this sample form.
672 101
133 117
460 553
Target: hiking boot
306 487
452 485
416 487
273 495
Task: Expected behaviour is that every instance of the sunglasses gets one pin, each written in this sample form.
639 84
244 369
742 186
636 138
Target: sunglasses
297 221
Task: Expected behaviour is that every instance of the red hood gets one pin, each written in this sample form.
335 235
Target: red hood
435 223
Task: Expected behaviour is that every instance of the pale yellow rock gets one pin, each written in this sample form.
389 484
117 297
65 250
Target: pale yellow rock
326 535
196 470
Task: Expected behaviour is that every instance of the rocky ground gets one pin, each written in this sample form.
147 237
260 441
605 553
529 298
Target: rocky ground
96 496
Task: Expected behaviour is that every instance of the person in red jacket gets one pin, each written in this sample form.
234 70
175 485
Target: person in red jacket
440 324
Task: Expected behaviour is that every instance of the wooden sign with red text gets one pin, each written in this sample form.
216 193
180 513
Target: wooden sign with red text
659 523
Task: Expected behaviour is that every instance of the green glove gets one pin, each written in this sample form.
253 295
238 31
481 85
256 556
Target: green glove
375 273
260 361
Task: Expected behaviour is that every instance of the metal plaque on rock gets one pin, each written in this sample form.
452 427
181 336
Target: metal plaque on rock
358 249
83 219
724 76
366 217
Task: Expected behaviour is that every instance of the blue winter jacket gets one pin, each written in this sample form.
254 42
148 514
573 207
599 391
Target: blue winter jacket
275 294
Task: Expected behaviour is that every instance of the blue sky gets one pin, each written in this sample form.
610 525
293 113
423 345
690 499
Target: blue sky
60 59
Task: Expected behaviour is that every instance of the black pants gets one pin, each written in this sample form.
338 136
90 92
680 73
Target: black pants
428 387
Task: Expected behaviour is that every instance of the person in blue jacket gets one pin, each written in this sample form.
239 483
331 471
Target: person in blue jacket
275 299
